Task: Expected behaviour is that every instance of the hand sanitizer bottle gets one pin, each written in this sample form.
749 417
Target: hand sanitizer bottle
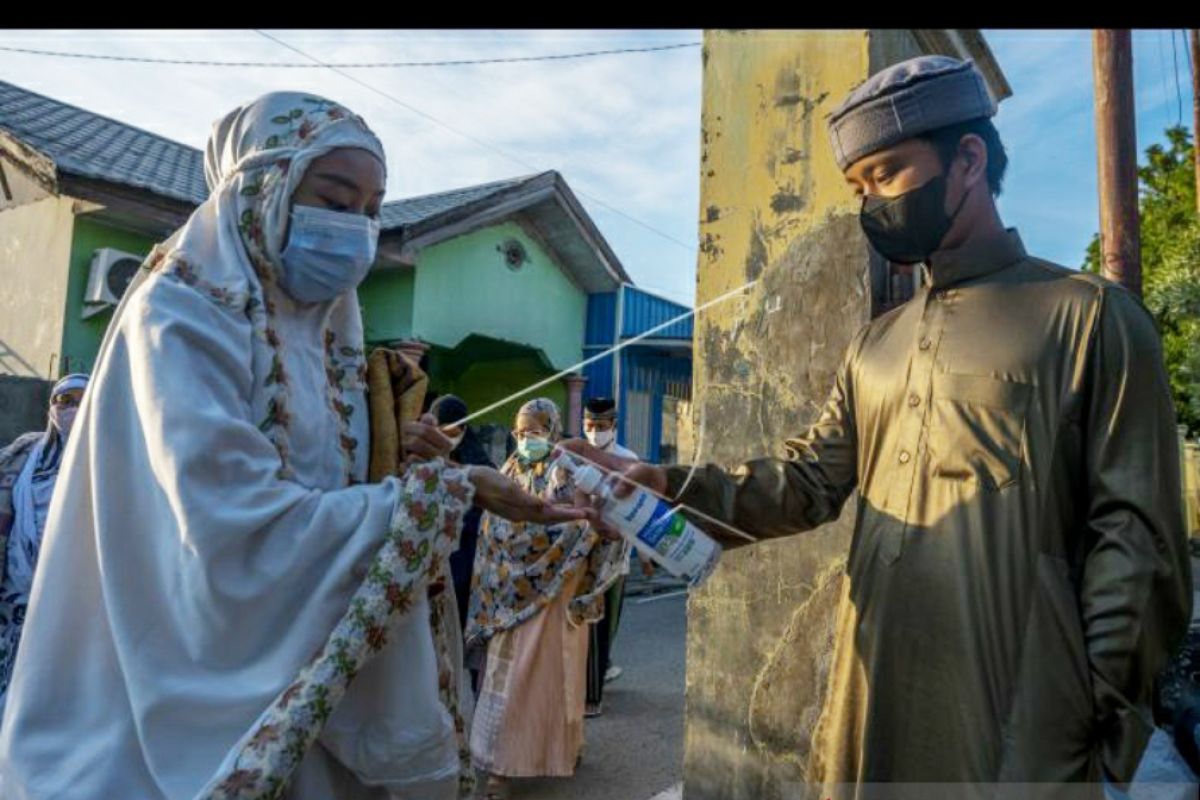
657 530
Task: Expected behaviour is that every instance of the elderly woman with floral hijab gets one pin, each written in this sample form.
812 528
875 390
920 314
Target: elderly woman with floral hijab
28 474
536 588
212 529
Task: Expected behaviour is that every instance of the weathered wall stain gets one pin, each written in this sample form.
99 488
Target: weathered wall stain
819 285
786 201
789 690
792 155
756 258
709 247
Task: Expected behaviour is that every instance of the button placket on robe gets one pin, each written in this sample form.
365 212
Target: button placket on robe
927 358
911 447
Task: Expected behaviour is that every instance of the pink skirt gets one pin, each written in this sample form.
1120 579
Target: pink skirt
529 716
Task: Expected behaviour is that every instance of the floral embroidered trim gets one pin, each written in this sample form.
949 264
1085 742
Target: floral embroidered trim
425 528
183 272
337 387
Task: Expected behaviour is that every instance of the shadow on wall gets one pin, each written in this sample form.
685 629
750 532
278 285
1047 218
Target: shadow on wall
23 404
11 362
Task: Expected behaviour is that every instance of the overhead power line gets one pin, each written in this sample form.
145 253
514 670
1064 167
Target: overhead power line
351 65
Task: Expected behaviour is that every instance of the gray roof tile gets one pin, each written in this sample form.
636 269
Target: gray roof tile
416 209
94 146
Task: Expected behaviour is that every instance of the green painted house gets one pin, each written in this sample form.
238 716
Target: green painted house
490 284
495 282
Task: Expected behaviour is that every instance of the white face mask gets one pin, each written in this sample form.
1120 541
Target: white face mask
601 439
455 441
64 419
328 253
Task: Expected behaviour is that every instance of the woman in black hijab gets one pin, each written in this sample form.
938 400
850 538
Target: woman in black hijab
450 411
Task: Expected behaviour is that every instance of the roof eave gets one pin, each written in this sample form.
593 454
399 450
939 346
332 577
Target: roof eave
966 43
34 166
584 221
131 207
400 245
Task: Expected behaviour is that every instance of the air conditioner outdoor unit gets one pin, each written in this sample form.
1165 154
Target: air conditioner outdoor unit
110 275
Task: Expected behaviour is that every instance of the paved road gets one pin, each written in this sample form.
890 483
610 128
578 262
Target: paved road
635 750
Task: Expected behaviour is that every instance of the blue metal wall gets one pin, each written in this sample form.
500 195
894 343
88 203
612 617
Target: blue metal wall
601 319
599 374
659 375
599 336
644 311
645 366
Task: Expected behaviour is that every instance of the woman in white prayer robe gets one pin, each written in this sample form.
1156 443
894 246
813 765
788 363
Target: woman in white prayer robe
212 522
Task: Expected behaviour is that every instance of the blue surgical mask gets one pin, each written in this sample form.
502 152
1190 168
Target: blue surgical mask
328 253
533 448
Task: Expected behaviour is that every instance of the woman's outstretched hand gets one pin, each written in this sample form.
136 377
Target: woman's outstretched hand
502 496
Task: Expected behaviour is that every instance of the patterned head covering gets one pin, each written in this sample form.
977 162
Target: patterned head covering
265 147
229 250
545 411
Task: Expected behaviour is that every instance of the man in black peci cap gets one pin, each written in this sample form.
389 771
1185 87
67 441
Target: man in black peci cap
600 428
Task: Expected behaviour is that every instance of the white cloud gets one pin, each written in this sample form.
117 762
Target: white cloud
623 129
1048 126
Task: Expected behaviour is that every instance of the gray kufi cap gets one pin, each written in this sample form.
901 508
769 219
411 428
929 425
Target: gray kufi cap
907 100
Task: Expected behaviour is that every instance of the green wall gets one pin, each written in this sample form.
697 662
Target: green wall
82 337
484 371
463 286
386 297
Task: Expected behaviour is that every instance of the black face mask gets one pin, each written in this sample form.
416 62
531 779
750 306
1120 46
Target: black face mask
910 227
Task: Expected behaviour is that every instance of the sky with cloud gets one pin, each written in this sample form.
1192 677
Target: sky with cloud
622 129
1048 127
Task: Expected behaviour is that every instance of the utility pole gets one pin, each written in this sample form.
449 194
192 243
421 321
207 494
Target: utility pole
1116 143
1195 44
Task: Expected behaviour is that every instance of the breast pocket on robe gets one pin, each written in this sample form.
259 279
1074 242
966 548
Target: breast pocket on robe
977 430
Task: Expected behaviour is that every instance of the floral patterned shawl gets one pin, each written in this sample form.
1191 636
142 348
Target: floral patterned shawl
520 567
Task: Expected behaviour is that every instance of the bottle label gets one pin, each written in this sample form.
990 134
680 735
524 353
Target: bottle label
660 527
646 512
663 532
682 548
